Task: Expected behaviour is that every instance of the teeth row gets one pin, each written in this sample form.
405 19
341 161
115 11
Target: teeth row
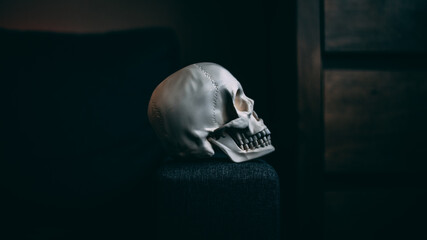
250 142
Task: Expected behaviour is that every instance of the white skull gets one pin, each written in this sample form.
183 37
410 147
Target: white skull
203 105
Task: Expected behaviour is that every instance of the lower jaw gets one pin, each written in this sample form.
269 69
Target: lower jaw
236 154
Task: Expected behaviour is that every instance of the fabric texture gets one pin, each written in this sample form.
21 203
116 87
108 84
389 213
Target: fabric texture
218 199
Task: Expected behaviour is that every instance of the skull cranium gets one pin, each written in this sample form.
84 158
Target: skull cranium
202 106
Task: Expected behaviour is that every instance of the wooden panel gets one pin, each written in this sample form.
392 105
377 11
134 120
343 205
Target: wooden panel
376 214
375 121
372 25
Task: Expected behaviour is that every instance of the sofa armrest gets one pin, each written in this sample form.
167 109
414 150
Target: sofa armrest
218 200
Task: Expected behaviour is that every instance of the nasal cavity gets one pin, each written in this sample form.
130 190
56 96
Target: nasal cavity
240 102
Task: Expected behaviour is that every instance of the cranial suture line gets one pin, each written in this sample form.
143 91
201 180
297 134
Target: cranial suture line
203 105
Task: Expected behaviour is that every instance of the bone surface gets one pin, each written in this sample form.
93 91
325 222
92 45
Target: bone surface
202 108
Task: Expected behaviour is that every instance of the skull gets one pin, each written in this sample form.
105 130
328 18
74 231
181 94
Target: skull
202 107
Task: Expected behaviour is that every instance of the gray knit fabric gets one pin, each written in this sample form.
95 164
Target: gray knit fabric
218 199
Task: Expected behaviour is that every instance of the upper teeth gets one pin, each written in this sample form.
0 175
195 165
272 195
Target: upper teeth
250 142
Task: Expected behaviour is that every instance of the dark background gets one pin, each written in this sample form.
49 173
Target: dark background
341 84
254 40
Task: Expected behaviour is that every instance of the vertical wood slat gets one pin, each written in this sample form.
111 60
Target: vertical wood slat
310 120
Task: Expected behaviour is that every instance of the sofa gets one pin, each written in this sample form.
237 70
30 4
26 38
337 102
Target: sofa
79 160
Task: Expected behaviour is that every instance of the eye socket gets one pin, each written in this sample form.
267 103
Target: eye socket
239 103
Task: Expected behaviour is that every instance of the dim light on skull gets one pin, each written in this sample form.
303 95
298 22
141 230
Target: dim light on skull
202 108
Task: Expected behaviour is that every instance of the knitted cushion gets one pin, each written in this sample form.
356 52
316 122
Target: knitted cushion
217 199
